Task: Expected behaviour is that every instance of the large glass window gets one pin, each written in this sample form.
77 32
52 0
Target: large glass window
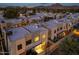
43 36
43 43
36 39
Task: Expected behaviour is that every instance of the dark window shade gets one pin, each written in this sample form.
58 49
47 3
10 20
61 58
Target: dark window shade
28 42
19 46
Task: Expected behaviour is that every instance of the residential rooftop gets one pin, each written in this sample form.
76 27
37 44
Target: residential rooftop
35 28
18 33
51 24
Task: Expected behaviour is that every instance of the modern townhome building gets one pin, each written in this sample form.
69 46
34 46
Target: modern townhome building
67 25
18 41
34 19
11 23
38 17
74 18
55 28
49 15
59 15
39 38
17 22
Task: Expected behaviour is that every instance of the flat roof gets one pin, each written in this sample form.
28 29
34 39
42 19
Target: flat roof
13 21
51 24
40 14
35 28
18 33
36 17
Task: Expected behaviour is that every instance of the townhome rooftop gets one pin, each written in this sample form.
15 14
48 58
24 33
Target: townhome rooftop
35 28
51 24
17 33
65 19
13 21
40 14
36 17
74 16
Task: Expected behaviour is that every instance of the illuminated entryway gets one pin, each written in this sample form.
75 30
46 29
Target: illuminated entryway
40 48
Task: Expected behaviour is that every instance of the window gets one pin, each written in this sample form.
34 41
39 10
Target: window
69 25
64 27
19 46
55 31
28 42
43 36
36 39
60 28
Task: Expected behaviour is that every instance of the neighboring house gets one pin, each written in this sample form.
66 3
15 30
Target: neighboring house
39 37
51 26
17 40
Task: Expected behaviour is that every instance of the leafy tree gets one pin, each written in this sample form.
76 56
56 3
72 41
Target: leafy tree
11 13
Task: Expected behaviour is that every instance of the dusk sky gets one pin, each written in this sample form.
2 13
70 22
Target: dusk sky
34 4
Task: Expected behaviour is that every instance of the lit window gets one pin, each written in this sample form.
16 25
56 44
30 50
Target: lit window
44 36
43 43
76 32
36 39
